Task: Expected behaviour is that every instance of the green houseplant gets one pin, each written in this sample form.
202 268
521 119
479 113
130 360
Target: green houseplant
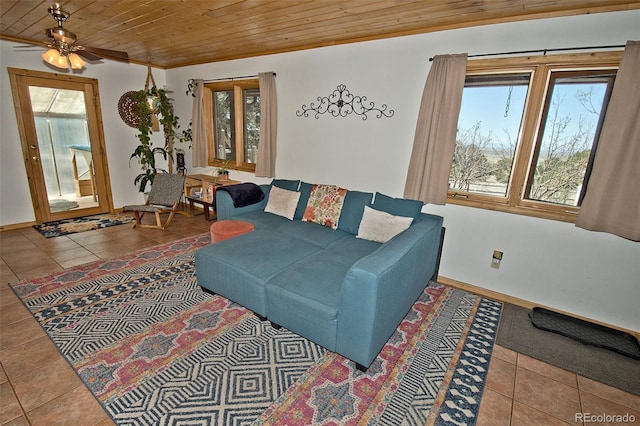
150 103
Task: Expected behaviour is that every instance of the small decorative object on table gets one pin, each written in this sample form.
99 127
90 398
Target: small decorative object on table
222 172
182 169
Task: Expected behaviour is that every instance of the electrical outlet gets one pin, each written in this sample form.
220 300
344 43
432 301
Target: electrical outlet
496 259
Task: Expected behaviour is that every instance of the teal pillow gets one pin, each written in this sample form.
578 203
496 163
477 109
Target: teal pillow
352 210
305 192
397 206
291 185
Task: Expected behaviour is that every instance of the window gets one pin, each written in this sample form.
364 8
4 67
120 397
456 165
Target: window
528 130
235 127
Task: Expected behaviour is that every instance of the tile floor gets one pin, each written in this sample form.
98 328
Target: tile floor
37 386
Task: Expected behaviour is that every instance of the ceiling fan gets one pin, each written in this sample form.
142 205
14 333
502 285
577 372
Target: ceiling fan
64 50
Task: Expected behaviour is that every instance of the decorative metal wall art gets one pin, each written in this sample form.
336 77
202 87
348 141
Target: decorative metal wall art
342 103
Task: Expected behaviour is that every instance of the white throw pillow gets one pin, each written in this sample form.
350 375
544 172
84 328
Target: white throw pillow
282 202
381 226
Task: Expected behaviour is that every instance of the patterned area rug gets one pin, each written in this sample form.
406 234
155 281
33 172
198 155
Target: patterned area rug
155 350
82 224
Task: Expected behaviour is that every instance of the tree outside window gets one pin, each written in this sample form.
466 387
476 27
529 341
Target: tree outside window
569 136
527 132
251 124
235 128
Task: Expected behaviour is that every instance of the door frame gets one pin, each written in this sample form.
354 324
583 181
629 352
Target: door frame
20 79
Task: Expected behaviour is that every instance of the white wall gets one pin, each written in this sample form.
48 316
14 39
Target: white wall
552 263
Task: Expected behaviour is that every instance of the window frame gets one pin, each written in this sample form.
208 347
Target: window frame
238 87
540 68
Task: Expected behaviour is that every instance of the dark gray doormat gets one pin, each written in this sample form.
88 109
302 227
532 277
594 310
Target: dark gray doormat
586 332
518 334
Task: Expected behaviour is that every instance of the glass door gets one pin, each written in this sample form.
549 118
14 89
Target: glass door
63 146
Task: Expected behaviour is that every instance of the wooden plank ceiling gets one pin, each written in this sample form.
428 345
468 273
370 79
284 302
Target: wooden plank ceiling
175 33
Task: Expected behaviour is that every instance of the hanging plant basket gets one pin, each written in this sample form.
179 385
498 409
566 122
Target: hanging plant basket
153 112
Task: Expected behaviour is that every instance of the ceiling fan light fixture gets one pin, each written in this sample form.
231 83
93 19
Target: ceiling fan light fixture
62 46
76 61
51 56
62 62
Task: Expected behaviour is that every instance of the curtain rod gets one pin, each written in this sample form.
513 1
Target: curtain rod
544 51
234 78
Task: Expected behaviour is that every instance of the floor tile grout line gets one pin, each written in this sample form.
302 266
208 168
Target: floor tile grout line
544 377
582 408
15 394
513 389
549 377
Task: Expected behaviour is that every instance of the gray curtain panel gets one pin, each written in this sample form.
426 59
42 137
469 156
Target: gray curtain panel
198 128
612 200
266 163
435 136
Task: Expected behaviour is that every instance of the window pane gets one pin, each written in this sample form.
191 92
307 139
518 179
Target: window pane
488 127
224 125
251 124
570 125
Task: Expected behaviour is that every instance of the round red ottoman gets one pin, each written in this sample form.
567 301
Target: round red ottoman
224 229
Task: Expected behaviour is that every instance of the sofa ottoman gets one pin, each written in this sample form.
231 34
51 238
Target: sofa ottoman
238 268
224 229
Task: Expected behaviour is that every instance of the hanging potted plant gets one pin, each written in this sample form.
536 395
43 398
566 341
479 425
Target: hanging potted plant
154 109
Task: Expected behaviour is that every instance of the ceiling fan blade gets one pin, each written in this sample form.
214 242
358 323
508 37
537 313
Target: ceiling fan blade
31 45
104 53
34 46
87 55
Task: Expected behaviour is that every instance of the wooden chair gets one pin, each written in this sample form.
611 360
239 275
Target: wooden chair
164 197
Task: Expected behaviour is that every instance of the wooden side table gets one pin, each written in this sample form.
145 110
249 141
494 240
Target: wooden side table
198 184
206 205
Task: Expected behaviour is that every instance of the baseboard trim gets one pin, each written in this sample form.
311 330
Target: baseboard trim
14 226
505 298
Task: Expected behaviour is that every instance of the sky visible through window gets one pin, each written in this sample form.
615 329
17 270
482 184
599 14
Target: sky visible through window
489 125
488 106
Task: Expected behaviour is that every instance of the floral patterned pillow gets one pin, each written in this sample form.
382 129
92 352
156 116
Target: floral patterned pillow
324 205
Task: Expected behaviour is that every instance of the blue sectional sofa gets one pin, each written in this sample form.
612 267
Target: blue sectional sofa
333 286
